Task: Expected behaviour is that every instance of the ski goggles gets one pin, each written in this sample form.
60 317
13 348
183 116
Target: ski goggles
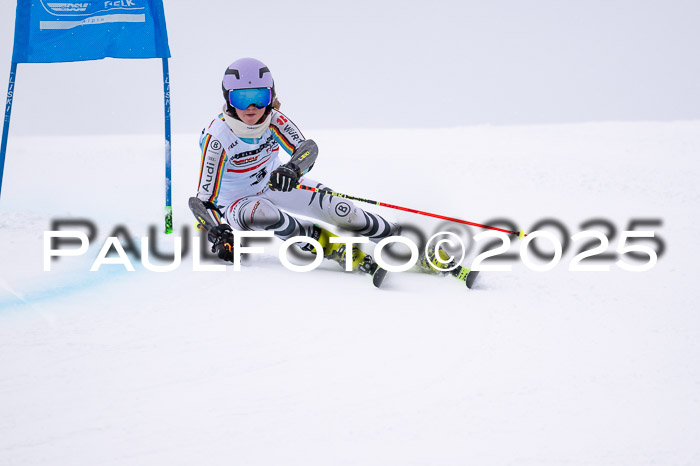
261 97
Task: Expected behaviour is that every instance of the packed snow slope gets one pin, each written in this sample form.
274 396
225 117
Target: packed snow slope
267 366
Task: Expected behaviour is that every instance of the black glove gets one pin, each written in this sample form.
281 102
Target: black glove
221 237
285 177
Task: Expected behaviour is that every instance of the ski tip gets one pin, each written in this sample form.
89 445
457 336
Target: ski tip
378 277
471 277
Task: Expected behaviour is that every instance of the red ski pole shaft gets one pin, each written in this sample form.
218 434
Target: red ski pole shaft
519 234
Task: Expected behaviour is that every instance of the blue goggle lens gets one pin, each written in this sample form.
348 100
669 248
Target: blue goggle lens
243 98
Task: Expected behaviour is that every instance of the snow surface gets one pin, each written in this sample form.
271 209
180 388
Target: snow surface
266 366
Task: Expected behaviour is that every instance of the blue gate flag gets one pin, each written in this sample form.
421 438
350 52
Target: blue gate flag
48 31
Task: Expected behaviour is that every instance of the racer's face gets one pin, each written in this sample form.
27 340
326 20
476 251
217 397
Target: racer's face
250 115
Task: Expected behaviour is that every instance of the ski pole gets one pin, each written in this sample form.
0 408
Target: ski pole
520 234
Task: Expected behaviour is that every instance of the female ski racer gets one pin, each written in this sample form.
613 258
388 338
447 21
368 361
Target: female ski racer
244 185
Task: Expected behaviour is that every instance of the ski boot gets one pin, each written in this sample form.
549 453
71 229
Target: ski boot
337 252
429 262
